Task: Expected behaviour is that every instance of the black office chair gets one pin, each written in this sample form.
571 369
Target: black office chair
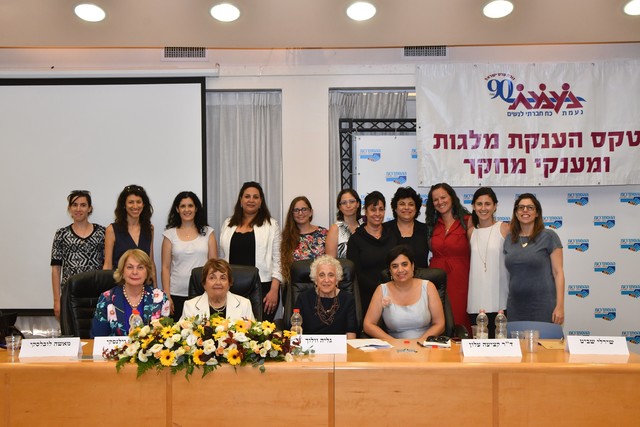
438 277
301 281
246 283
79 298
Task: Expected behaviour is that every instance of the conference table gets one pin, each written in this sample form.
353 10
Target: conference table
406 385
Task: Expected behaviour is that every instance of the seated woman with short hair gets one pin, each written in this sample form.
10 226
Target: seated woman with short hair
133 292
410 307
325 309
217 279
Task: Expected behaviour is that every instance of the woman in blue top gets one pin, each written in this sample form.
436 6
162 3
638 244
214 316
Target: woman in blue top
410 307
116 305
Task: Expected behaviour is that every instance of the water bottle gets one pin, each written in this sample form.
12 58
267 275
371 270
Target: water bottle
501 325
135 320
482 322
296 321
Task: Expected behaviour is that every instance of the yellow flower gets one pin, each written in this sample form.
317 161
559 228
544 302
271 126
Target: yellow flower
289 334
276 346
234 357
241 326
199 331
196 357
167 357
268 327
145 342
215 321
219 334
167 332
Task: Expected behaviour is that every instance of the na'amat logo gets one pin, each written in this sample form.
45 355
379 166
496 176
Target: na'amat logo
604 221
580 333
399 178
371 154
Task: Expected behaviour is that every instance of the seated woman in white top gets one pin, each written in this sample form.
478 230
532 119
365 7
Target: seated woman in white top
410 307
216 299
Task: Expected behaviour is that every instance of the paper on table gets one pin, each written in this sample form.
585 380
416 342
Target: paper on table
370 344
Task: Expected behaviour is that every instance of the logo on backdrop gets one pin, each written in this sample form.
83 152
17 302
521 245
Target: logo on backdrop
414 153
605 313
371 154
608 221
580 291
580 245
467 198
632 245
580 333
632 336
399 178
554 222
630 198
506 219
607 268
632 291
543 100
424 198
580 199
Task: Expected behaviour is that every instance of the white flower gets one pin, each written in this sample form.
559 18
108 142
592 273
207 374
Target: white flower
288 357
157 295
132 349
211 362
266 345
144 331
273 353
240 337
169 343
156 348
209 346
179 352
176 338
263 352
142 356
191 340
185 332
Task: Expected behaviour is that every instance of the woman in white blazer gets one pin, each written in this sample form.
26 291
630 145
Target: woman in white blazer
216 299
251 237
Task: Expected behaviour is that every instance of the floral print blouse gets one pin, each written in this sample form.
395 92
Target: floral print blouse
110 317
311 245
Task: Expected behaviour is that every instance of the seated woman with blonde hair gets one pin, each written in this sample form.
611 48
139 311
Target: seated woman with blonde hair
216 299
410 307
133 294
326 309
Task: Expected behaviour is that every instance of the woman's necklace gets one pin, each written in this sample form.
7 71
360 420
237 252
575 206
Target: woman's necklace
124 291
486 250
219 310
377 233
524 243
326 315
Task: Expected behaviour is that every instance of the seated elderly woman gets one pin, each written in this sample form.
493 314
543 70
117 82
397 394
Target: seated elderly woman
326 309
133 293
216 299
410 307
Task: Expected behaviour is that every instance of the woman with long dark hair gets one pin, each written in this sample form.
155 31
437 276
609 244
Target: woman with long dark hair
300 238
349 219
188 243
132 228
252 237
447 223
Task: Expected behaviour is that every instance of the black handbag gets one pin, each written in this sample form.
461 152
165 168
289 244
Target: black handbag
7 325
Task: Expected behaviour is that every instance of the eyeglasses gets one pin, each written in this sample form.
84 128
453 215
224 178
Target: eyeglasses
348 202
130 188
528 208
75 193
300 210
441 339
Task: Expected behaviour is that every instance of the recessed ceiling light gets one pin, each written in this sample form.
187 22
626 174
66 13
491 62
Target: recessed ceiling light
632 8
89 12
361 11
497 9
225 12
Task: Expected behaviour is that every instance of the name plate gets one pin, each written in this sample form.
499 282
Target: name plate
491 348
325 344
50 347
577 344
101 344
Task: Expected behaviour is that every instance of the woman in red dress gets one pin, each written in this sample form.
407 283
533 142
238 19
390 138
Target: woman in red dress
447 222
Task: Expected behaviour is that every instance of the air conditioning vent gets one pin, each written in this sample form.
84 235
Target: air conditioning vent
184 54
425 51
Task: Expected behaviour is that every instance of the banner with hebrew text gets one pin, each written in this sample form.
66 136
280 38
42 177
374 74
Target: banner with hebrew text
529 124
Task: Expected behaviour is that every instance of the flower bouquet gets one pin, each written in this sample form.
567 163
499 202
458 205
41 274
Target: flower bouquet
204 343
